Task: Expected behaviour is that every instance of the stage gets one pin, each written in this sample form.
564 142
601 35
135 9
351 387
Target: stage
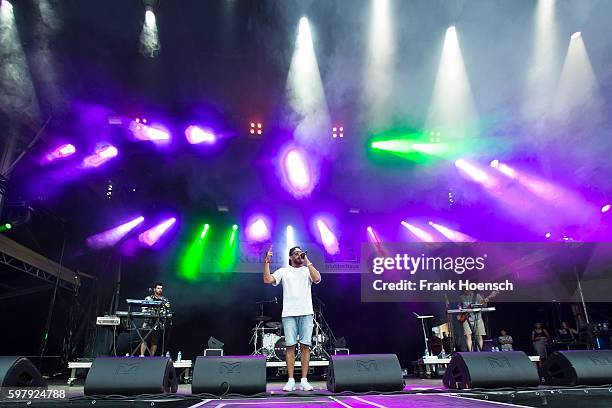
417 393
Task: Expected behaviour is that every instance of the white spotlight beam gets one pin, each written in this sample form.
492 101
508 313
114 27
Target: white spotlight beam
379 67
149 39
18 96
578 90
543 71
452 110
305 90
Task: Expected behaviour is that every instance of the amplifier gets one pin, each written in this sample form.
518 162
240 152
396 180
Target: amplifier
108 321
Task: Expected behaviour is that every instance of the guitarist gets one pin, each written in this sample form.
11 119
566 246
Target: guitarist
472 322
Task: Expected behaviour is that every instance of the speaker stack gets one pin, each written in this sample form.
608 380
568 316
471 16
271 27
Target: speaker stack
365 372
19 372
218 375
579 367
491 370
131 376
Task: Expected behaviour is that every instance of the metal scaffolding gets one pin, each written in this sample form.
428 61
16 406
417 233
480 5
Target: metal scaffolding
21 258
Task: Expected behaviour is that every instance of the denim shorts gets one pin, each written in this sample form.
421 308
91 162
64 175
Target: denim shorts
298 328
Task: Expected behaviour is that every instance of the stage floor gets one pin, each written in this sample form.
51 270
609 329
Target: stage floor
415 396
421 393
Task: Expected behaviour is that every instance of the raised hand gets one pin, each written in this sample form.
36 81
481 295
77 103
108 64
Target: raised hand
269 254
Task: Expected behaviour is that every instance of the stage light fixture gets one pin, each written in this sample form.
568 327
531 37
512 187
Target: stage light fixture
434 136
450 234
547 235
61 152
197 135
256 128
338 132
373 235
6 227
112 236
576 35
328 238
191 262
418 232
258 230
103 154
107 152
229 253
204 231
151 236
474 172
605 208
297 174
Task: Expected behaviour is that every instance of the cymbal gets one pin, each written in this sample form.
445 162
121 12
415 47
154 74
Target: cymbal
274 325
261 318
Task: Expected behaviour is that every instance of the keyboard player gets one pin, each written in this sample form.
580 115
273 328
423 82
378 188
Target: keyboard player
152 323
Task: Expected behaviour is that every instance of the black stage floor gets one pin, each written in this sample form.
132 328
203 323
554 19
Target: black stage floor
419 393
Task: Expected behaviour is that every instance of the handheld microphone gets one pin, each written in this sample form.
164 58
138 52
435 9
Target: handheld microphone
303 254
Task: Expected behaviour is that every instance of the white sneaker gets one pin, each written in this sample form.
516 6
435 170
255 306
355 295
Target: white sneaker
305 385
290 386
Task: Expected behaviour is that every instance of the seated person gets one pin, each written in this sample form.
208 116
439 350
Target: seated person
436 344
505 341
567 334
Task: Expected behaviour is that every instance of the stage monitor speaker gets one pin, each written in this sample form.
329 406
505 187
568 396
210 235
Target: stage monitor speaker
578 367
364 372
131 376
19 372
244 375
491 370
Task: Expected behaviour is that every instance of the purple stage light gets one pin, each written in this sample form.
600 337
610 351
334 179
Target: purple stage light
418 232
110 237
503 168
153 133
152 235
605 208
60 152
475 173
297 173
258 230
65 150
107 152
451 234
328 238
196 135
103 154
373 235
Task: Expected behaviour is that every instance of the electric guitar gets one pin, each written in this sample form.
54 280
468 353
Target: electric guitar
462 317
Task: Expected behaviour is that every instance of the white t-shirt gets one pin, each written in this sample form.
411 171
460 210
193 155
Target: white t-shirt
297 300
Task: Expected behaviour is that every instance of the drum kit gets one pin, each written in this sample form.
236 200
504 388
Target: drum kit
268 339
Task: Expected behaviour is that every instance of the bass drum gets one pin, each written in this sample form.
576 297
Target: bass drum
269 342
280 350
